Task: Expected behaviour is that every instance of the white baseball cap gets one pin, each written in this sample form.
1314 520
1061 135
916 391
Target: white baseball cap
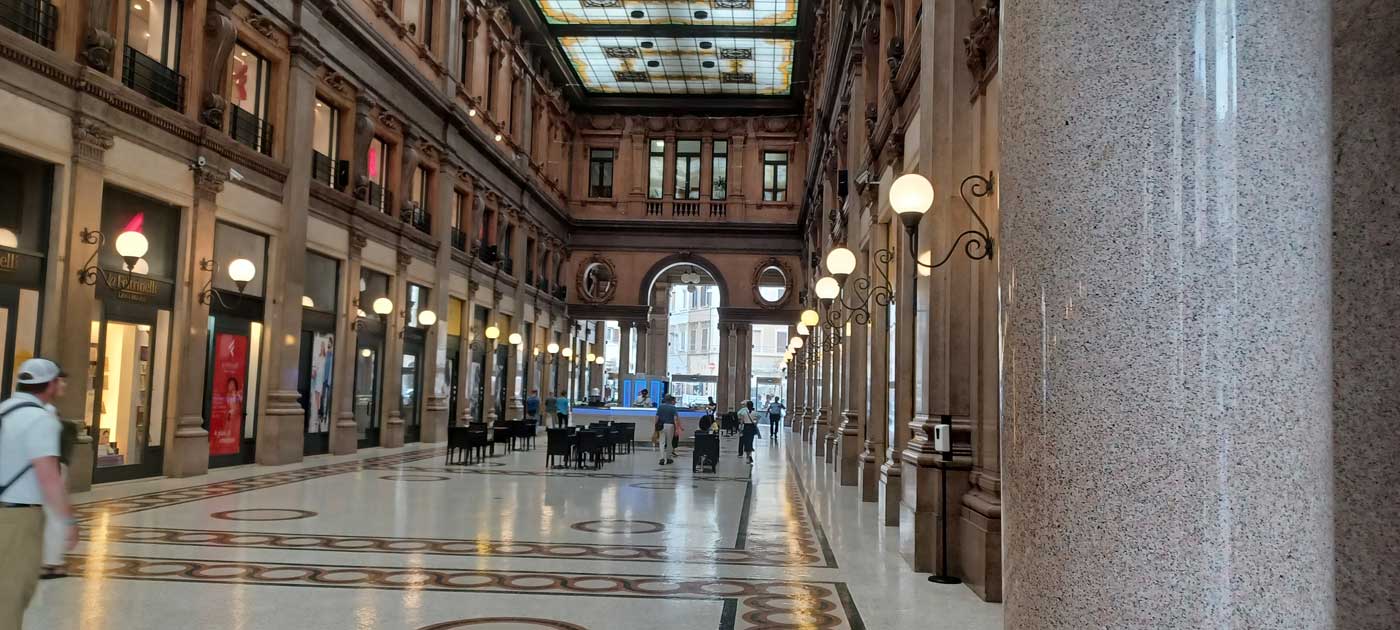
38 371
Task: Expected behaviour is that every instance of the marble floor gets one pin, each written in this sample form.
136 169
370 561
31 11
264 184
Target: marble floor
394 538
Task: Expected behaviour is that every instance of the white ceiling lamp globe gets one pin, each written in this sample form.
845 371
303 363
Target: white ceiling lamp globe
811 318
359 312
307 302
803 330
591 356
828 288
8 238
552 348
911 196
427 318
599 360
382 306
841 262
514 339
567 352
141 267
241 272
366 352
493 332
796 342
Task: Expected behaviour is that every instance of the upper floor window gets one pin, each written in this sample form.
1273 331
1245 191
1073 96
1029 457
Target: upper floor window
775 166
494 62
600 172
153 29
687 169
325 141
419 194
459 206
656 169
418 14
464 60
377 167
719 171
250 85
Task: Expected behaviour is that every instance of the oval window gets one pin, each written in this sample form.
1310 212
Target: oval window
772 284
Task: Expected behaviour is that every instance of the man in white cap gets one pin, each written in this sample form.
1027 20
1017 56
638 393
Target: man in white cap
29 479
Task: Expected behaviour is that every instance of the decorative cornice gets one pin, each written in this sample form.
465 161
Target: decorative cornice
91 140
402 260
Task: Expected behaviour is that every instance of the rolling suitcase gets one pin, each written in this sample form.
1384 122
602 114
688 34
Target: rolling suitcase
706 452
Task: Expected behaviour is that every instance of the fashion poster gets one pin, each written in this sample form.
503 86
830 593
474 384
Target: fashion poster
322 369
226 396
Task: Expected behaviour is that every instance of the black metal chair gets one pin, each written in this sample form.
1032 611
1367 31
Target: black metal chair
457 443
628 430
557 444
589 447
478 443
502 433
525 434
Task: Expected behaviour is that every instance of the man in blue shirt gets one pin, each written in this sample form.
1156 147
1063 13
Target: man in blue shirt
561 409
532 405
667 419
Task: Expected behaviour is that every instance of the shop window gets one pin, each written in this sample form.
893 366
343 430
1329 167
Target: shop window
325 144
687 169
600 173
775 165
719 171
321 283
656 169
249 91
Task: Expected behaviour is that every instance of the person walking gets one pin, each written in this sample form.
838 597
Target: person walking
561 410
532 406
775 416
667 418
748 429
29 478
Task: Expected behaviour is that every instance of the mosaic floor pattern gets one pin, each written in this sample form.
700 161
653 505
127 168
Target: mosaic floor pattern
399 539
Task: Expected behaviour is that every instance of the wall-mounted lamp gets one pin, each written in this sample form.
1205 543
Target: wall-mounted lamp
381 307
567 353
241 271
599 360
912 195
552 348
515 339
426 318
493 332
130 245
803 330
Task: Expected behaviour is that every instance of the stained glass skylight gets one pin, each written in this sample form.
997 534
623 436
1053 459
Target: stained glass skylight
741 66
689 12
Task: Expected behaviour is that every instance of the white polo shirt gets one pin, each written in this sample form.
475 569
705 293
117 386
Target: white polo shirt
25 435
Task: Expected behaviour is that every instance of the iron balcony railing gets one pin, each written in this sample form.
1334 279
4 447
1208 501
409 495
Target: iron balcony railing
508 266
378 197
459 240
34 19
154 79
333 173
490 254
250 131
418 218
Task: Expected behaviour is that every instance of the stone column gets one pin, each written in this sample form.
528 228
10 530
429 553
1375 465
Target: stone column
515 408
797 373
1167 461
722 371
595 371
820 425
790 396
282 430
659 331
641 331
1365 332
392 433
491 386
470 336
812 374
891 473
876 421
851 438
436 405
345 437
78 302
624 364
835 406
743 355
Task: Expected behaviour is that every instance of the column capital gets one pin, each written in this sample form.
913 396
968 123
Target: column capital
208 181
91 140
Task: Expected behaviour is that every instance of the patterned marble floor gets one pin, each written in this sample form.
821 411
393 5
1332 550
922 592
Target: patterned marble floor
396 539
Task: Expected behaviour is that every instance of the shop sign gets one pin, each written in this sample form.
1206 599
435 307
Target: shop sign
20 269
137 289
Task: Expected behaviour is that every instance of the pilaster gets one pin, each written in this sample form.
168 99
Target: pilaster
345 433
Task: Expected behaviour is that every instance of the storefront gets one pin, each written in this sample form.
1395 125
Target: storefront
232 375
317 364
369 350
476 377
455 307
129 343
411 376
24 243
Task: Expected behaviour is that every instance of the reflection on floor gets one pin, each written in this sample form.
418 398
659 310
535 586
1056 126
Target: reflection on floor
398 539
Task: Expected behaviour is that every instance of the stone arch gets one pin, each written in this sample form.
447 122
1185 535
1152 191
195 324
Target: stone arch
682 258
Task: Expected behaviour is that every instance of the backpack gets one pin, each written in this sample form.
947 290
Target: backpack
27 465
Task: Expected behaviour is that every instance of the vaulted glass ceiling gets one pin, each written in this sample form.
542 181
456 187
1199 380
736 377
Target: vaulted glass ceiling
677 47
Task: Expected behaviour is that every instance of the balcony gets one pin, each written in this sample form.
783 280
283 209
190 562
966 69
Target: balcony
530 276
490 254
561 292
333 173
154 79
34 19
250 131
685 209
418 218
459 240
378 197
508 266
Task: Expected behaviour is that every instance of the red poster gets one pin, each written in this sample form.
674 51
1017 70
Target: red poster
226 403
